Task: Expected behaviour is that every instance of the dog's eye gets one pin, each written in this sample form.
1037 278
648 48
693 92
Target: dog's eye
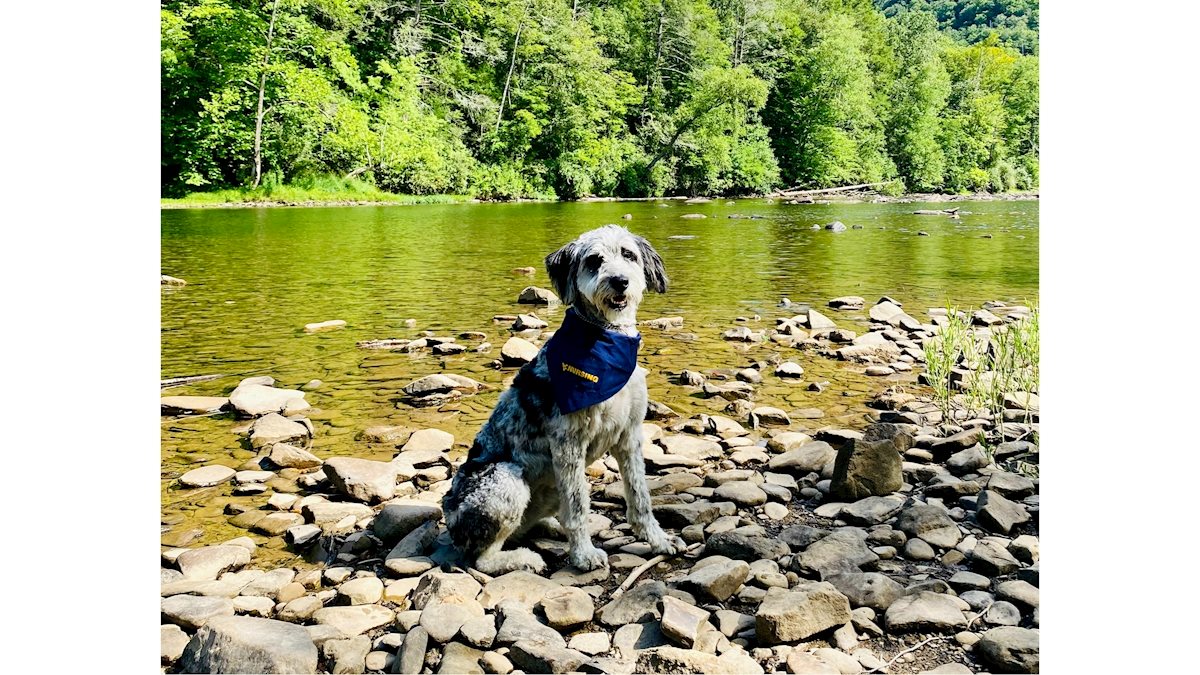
629 255
592 262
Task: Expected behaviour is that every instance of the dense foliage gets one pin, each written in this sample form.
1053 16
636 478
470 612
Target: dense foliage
511 98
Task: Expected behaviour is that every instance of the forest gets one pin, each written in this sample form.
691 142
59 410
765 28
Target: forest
503 99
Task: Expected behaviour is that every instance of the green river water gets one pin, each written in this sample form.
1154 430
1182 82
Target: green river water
257 276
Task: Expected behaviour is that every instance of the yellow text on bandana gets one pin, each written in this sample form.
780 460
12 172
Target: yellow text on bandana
575 371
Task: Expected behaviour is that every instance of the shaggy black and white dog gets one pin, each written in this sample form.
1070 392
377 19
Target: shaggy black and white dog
581 397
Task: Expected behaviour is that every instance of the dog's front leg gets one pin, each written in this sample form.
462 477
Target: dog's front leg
637 495
574 502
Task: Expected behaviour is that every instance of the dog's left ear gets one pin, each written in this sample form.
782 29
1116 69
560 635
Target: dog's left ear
652 265
560 267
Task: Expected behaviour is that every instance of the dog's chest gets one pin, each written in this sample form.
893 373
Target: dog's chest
601 426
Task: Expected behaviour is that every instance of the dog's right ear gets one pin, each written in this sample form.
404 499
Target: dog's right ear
561 267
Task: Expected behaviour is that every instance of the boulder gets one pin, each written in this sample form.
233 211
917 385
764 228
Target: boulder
193 611
675 660
992 559
925 611
323 325
931 523
206 476
525 588
639 603
1009 649
870 589
872 510
847 302
717 581
274 428
290 457
566 607
681 621
999 514
807 458
789 616
818 321
253 400
844 550
362 479
428 440
518 351
411 657
354 620
532 295
866 468
209 562
740 546
191 405
242 644
395 520
536 656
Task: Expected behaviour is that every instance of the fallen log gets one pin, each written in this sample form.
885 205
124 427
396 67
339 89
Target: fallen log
179 381
792 192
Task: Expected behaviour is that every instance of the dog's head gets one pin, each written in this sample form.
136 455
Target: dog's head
607 271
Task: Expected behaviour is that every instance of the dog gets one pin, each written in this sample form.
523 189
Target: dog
564 410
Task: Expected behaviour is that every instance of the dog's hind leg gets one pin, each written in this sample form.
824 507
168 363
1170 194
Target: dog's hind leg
628 453
486 506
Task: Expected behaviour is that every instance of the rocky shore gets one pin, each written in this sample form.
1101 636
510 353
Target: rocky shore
906 544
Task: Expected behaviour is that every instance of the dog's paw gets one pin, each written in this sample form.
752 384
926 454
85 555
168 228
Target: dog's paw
588 558
664 544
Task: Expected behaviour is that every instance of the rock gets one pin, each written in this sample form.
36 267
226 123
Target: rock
525 588
172 642
789 369
528 322
983 317
717 581
869 589
745 547
807 458
361 591
394 521
168 280
347 656
638 604
999 514
847 302
930 523
479 631
866 468
240 644
517 351
1002 613
675 660
1023 593
362 479
451 587
663 323
427 441
872 510
789 616
519 624
567 606
210 561
992 559
532 295
943 448
253 400
818 321
191 405
844 550
691 447
354 620
323 325
411 657
301 535
682 622
536 656
1011 485
388 433
925 611
440 383
443 619
459 659
683 515
788 441
275 428
743 493
590 643
836 226
1010 650
1025 548
277 523
290 457
918 549
800 537
193 611
206 476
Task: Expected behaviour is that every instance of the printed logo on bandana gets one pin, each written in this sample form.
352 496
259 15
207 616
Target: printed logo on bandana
575 371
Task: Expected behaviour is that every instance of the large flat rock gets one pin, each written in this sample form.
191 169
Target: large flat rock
242 644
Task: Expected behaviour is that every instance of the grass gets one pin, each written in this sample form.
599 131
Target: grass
317 189
982 369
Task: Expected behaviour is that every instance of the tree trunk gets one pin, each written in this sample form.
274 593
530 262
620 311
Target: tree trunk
512 63
262 88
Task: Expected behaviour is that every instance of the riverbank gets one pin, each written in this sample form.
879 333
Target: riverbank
299 197
902 540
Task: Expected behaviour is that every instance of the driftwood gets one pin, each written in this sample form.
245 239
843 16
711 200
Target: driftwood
793 192
633 576
936 212
179 381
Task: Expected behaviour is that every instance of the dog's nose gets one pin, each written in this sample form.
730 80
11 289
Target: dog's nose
619 282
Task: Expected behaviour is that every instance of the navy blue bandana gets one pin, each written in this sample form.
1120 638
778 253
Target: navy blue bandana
587 363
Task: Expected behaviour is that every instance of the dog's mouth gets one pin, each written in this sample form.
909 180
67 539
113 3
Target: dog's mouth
617 302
